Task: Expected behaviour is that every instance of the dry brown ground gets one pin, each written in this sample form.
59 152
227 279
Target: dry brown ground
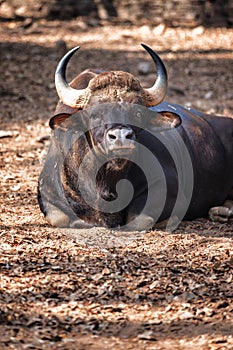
163 291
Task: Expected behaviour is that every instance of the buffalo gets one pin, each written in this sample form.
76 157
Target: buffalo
121 156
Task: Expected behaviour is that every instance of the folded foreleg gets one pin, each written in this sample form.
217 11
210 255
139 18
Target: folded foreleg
222 213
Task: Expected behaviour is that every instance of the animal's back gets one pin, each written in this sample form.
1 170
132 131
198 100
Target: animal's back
209 141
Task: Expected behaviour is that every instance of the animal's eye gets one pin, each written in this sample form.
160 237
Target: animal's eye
139 114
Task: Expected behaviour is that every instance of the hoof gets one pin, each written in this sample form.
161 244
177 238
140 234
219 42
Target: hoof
141 223
220 214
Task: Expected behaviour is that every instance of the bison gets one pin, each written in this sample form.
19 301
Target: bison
121 156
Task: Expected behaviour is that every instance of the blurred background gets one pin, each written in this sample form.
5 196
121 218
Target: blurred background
171 12
194 38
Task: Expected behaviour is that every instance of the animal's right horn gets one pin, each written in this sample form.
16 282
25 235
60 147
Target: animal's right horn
69 96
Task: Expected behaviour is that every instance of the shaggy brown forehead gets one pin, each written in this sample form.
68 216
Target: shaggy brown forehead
117 79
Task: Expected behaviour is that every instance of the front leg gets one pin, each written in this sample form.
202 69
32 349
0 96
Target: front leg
146 223
142 222
222 213
80 224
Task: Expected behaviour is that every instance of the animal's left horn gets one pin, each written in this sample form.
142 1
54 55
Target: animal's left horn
159 89
69 96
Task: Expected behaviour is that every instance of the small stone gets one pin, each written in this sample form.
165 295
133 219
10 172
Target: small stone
147 335
5 134
198 30
208 95
159 29
144 68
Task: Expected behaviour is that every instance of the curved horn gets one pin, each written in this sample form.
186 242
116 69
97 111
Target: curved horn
69 96
159 89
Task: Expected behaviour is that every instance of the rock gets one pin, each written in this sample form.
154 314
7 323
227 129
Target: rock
5 134
144 68
208 95
147 335
198 30
159 29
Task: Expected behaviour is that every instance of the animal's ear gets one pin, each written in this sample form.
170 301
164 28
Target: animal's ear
59 121
164 120
82 80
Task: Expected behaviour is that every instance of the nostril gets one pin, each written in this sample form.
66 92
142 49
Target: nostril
129 136
120 135
112 136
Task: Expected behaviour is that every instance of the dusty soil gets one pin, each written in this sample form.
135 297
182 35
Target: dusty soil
161 291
